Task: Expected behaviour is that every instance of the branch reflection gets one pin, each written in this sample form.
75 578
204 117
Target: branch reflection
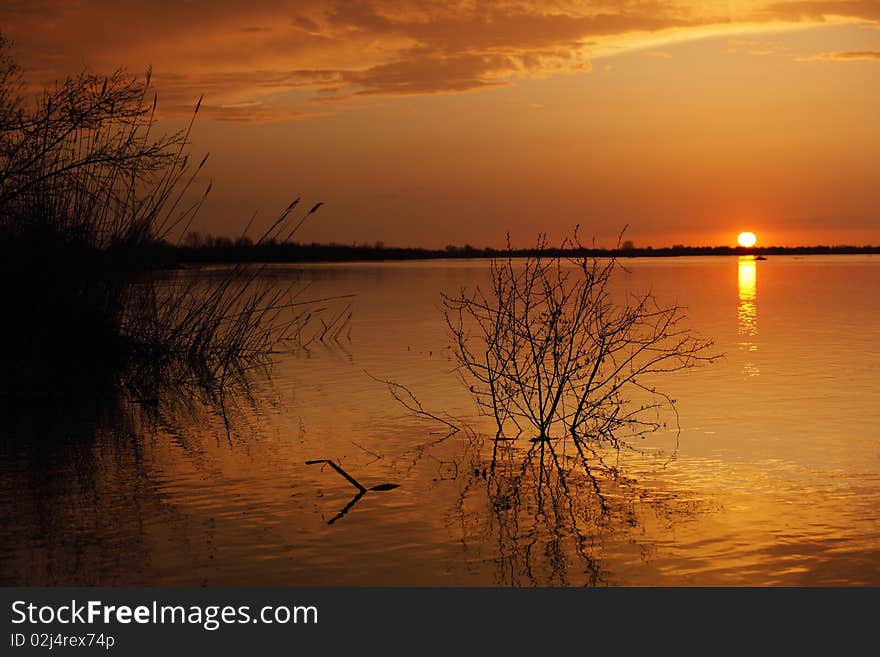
544 517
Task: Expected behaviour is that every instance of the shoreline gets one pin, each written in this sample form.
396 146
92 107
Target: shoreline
329 253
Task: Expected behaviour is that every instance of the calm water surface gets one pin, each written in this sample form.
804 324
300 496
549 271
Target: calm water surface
774 478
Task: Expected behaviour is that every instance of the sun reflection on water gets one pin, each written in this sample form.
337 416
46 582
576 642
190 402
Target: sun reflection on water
747 270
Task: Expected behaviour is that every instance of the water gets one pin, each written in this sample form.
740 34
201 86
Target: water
774 478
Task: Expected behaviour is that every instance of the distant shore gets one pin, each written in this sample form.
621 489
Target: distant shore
223 251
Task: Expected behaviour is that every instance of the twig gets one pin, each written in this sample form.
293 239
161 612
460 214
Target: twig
413 405
354 482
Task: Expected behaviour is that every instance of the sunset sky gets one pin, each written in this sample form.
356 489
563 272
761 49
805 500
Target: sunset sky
425 123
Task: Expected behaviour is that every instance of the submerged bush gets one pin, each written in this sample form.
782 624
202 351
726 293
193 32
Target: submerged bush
549 352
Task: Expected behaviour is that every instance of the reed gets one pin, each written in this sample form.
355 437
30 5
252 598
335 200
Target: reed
90 193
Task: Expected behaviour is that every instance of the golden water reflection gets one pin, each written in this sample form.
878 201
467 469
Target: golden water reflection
747 283
135 495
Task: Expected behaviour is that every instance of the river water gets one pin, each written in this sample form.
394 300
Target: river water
773 478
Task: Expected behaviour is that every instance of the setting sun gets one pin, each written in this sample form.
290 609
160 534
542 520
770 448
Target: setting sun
746 239
233 236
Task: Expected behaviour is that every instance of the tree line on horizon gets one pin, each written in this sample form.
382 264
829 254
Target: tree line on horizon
196 248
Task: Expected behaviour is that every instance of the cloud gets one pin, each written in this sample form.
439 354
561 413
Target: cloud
275 53
249 95
848 56
249 112
823 9
306 24
468 49
430 73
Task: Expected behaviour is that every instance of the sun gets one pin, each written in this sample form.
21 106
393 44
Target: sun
746 239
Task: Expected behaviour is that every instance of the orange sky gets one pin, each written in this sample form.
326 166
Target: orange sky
420 123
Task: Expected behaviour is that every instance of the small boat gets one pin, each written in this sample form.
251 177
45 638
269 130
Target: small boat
760 257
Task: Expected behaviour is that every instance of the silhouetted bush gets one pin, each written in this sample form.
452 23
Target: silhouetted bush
90 200
549 352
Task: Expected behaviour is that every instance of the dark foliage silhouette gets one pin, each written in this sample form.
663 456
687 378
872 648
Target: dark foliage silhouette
89 195
549 352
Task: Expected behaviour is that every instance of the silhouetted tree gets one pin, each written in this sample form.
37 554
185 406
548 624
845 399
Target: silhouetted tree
548 351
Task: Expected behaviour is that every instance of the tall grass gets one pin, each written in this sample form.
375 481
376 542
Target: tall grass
90 188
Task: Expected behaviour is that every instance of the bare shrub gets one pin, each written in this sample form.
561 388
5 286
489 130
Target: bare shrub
548 351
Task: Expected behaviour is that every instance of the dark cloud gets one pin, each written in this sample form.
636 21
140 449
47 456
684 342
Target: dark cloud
473 48
305 23
239 54
427 73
